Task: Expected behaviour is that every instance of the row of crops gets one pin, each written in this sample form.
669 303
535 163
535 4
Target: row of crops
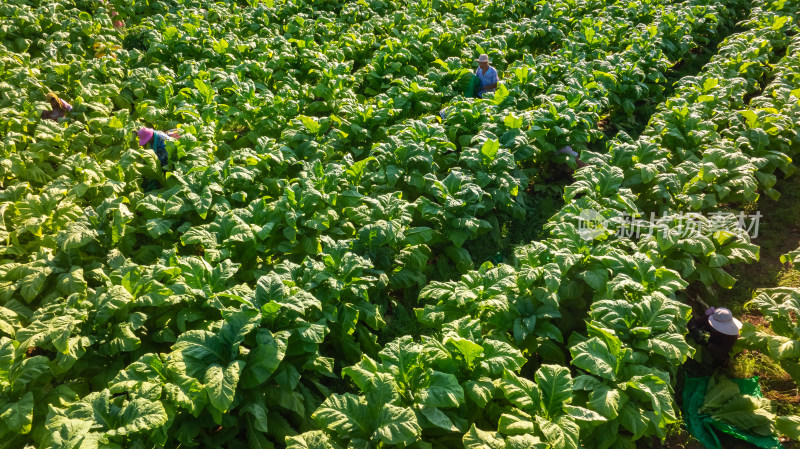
319 268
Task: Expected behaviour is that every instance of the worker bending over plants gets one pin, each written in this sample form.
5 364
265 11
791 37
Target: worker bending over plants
157 141
60 108
722 331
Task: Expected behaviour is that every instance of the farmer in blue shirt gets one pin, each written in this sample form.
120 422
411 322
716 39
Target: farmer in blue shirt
487 75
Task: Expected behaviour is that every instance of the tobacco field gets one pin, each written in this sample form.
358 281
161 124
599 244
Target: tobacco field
345 252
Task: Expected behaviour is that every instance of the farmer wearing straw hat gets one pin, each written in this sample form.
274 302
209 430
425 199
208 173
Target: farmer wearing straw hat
723 331
487 76
60 108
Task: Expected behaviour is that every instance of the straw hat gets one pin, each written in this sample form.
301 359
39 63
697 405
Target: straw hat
722 320
51 96
145 134
483 58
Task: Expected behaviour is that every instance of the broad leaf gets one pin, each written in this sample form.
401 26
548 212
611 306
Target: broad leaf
555 384
479 439
220 384
594 357
18 416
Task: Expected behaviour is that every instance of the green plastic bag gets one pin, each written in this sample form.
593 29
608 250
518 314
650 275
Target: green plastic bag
702 427
472 88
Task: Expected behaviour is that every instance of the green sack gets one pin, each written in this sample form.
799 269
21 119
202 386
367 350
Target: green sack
702 427
472 88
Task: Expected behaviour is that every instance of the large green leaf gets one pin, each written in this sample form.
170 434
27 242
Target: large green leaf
236 327
220 384
717 396
480 439
745 412
480 391
607 401
561 434
489 149
151 372
438 418
594 356
28 370
525 442
346 415
199 349
657 313
516 423
314 439
520 391
363 374
72 434
140 415
469 350
583 414
443 390
632 418
18 416
789 426
654 386
555 384
499 356
264 358
396 425
33 282
672 346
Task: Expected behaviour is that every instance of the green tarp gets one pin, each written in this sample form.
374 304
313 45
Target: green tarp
703 428
472 87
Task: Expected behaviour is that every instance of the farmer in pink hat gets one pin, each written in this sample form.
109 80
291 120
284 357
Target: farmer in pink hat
723 331
157 141
112 13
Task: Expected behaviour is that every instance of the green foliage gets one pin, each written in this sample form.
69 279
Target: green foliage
781 308
725 403
235 298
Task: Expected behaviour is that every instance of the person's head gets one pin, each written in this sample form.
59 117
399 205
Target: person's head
483 61
54 101
722 320
145 135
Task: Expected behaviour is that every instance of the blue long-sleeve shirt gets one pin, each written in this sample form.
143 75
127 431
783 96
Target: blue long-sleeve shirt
487 77
160 147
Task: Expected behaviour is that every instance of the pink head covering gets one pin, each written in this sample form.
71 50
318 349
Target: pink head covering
145 134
